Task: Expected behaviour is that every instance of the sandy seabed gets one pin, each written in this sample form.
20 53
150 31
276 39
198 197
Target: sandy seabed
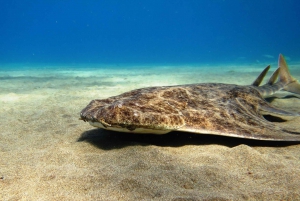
47 153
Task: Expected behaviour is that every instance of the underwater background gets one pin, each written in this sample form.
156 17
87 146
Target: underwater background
148 32
58 55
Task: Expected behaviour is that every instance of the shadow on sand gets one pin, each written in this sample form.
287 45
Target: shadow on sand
108 140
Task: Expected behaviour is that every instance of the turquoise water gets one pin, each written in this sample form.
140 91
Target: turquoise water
148 32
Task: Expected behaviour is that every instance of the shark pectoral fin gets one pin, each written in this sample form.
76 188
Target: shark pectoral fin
274 114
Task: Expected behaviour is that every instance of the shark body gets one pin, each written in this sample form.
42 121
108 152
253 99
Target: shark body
206 108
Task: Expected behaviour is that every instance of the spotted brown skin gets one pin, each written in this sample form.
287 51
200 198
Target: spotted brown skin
208 108
222 109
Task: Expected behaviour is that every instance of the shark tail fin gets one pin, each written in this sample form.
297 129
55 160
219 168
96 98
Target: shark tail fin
292 85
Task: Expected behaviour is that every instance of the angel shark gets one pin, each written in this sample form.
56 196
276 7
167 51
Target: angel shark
205 108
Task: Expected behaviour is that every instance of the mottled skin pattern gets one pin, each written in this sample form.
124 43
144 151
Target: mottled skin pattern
211 108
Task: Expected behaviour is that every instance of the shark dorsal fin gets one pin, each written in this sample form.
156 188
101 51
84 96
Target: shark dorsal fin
261 76
273 77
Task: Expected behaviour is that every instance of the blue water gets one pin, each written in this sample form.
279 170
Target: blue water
148 31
